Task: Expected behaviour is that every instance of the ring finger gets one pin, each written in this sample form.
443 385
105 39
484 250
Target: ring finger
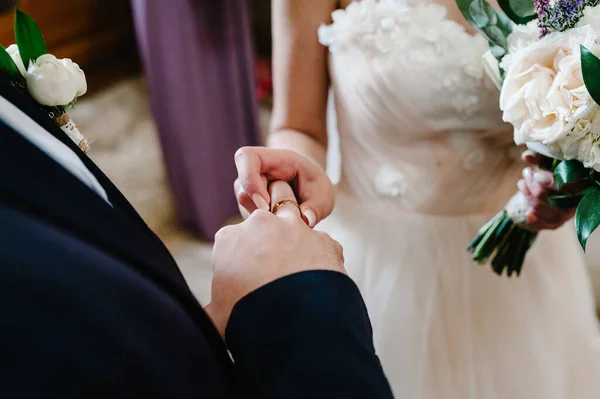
283 200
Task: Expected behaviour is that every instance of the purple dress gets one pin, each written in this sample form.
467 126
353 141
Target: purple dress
198 61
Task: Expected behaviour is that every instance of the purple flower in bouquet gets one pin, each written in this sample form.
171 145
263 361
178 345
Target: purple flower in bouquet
543 8
562 16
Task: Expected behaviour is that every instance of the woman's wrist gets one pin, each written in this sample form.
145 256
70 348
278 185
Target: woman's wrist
300 143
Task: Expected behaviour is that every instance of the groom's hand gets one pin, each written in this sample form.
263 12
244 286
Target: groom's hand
263 249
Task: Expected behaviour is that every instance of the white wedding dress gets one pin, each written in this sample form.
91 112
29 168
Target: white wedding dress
426 161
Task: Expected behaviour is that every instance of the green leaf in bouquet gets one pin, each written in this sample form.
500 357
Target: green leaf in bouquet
590 69
8 66
479 13
493 25
567 201
29 38
497 51
587 216
495 35
569 172
519 11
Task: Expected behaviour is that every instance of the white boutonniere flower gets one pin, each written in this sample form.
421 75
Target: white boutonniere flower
55 82
13 51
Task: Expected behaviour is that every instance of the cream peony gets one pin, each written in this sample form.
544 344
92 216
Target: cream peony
591 16
13 51
520 39
546 101
55 82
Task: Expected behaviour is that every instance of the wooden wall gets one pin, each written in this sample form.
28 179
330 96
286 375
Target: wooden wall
97 34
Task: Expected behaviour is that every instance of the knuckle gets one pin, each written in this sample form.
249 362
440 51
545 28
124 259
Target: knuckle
338 247
260 216
323 236
296 222
248 183
241 153
223 233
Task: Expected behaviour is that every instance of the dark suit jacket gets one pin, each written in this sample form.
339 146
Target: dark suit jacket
93 305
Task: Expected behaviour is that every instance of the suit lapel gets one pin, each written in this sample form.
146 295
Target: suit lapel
34 183
34 111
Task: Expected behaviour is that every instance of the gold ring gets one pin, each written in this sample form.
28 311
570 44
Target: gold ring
283 202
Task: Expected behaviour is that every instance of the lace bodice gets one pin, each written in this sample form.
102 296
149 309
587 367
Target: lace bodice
419 122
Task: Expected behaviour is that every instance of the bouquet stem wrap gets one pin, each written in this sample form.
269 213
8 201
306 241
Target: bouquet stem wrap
545 58
505 239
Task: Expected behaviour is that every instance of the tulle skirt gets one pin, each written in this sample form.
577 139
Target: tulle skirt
447 328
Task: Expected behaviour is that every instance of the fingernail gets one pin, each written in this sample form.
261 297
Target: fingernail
527 173
521 184
260 202
528 153
310 217
528 156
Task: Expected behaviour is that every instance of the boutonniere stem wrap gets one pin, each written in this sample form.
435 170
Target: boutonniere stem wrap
68 126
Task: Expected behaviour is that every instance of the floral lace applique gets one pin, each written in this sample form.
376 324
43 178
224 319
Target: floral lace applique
389 182
416 35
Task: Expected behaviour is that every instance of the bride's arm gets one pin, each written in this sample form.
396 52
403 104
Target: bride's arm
298 138
300 78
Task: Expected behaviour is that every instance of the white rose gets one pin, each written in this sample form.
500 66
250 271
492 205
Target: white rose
78 75
584 139
13 51
520 39
544 90
55 82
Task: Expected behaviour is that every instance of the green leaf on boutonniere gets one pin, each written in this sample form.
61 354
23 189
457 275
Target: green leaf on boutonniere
519 11
587 216
8 66
569 172
29 38
590 68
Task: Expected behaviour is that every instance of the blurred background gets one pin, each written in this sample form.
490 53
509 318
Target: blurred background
175 87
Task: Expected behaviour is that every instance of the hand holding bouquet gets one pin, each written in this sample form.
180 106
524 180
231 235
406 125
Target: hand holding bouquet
544 59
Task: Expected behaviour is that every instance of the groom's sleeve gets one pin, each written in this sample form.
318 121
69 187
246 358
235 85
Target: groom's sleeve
306 335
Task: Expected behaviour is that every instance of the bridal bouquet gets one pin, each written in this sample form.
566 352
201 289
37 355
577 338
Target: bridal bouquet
543 57
55 84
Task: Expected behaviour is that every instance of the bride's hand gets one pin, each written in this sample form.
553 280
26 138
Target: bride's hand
257 166
536 185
